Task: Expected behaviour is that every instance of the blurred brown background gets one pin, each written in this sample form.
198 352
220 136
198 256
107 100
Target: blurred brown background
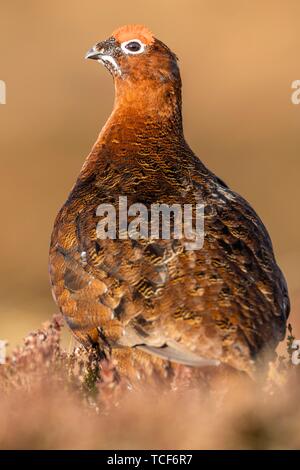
238 59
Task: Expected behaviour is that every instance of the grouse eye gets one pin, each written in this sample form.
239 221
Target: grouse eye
134 46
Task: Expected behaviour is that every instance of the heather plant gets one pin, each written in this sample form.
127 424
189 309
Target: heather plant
53 399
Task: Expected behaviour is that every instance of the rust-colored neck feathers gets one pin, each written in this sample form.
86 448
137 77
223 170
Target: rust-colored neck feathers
149 100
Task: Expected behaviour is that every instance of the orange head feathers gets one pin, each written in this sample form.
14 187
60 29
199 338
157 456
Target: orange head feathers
147 77
134 31
132 53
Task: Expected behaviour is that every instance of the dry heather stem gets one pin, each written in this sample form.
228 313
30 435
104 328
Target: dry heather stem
54 400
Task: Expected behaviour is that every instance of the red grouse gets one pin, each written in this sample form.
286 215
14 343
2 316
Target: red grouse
224 303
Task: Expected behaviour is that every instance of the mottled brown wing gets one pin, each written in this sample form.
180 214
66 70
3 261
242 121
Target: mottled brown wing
223 302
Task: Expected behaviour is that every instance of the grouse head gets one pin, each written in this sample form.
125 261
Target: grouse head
145 70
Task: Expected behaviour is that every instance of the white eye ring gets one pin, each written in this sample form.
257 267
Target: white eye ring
127 51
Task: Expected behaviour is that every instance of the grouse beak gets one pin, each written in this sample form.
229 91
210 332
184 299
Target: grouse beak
93 54
104 53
